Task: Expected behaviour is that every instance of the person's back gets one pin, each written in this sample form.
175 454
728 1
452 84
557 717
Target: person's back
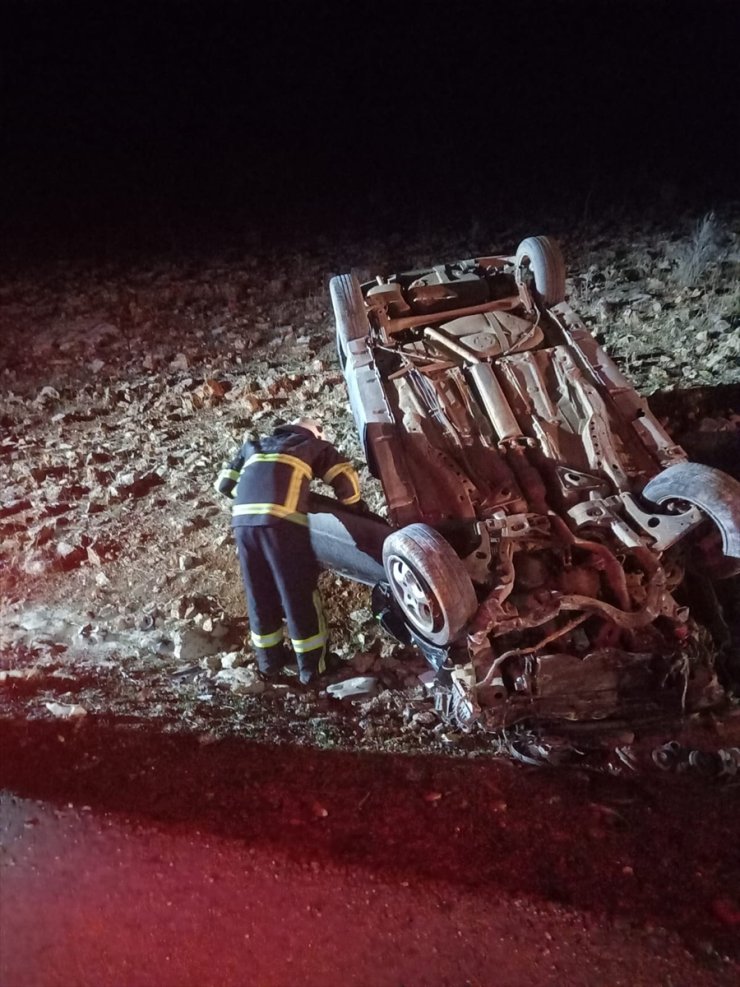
269 478
269 481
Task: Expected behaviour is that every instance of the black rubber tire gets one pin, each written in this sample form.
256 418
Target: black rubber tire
349 312
418 558
545 260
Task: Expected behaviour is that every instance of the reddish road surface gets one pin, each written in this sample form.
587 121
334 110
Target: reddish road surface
184 865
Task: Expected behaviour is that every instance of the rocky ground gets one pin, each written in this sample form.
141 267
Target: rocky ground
124 385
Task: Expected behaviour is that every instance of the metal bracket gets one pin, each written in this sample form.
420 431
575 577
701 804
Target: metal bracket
664 529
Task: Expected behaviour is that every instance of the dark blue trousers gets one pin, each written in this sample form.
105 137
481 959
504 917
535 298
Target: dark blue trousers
280 575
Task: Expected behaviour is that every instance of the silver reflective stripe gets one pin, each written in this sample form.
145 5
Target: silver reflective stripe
267 640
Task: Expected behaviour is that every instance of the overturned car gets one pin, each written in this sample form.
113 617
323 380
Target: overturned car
540 521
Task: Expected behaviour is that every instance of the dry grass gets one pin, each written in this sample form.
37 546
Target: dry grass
703 250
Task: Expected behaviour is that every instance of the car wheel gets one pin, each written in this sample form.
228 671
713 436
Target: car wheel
429 582
543 257
715 493
349 312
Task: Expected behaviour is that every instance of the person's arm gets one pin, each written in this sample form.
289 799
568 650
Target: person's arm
228 477
336 470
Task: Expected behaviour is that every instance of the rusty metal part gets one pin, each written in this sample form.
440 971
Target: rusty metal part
483 427
478 562
609 562
390 297
529 374
664 529
453 345
529 479
392 326
425 366
548 639
496 406
657 598
630 406
429 398
533 437
628 620
493 619
454 396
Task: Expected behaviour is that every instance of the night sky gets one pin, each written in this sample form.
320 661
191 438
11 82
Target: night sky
175 116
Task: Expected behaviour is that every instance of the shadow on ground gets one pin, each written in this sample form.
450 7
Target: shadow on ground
653 851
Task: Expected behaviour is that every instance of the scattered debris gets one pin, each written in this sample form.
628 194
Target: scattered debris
348 688
66 711
124 390
715 763
12 675
243 681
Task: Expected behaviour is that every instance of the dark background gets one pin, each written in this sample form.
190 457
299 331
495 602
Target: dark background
142 122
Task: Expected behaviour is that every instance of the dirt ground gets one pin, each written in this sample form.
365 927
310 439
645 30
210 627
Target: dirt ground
126 383
122 627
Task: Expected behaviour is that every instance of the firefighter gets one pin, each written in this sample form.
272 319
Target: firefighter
268 481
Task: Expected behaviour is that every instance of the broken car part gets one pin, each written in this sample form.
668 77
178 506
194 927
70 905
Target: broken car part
540 519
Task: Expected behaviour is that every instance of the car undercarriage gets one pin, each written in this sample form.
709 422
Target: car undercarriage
542 527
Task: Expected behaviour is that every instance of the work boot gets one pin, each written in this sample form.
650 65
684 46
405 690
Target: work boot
272 676
273 671
332 664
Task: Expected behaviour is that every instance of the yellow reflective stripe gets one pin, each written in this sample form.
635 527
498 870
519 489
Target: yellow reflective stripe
275 510
294 490
336 470
309 643
300 470
227 474
349 471
322 629
267 640
317 640
279 457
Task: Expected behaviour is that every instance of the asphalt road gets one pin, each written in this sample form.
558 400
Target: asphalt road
100 901
191 865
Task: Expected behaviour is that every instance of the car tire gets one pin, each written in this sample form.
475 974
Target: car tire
544 258
349 312
715 493
430 583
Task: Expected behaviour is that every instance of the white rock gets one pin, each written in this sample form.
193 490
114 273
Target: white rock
188 561
362 685
66 711
232 660
46 394
191 645
242 681
35 564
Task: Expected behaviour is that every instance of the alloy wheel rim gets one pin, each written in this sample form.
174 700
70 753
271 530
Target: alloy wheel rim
417 602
